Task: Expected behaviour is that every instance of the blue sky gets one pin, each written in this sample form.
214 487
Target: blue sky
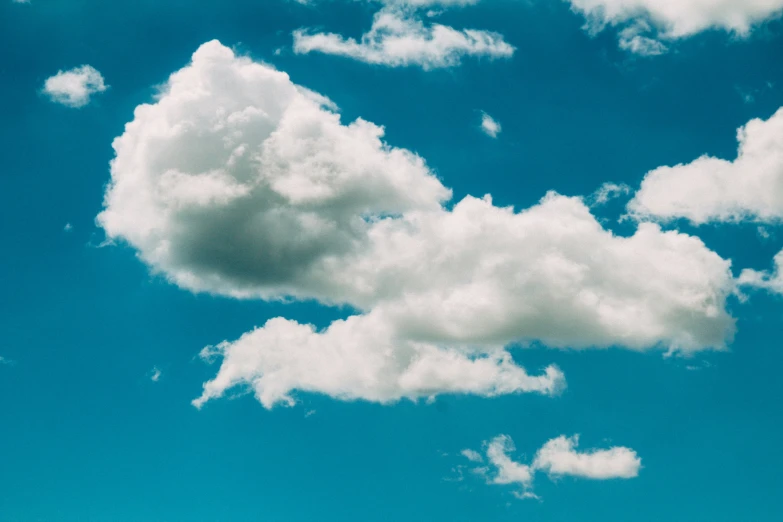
458 307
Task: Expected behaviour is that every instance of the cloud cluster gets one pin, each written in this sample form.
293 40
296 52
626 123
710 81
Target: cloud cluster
716 190
74 87
557 458
399 38
238 182
669 20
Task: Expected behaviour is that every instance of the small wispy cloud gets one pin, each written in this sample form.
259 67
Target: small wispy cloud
471 455
607 192
489 125
155 374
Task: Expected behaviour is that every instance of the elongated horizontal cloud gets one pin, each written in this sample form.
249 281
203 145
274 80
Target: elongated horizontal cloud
673 19
360 358
558 457
75 87
238 182
398 38
717 190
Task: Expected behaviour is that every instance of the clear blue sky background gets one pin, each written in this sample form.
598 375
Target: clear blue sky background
85 435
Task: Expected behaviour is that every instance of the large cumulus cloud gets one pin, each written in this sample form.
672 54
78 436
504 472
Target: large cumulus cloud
238 182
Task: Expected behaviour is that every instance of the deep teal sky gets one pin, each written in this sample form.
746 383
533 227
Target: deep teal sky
86 436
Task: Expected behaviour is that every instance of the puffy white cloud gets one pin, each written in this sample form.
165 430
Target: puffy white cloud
398 38
74 87
238 182
559 457
716 190
673 19
490 126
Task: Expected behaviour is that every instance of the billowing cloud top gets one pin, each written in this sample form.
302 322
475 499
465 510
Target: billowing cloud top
237 181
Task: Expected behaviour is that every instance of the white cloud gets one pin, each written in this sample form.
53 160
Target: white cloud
472 455
238 182
74 88
68 227
669 20
155 374
771 281
632 40
489 126
20 1
715 190
398 38
3 360
359 358
557 458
